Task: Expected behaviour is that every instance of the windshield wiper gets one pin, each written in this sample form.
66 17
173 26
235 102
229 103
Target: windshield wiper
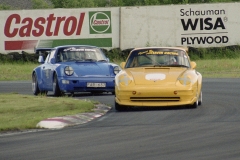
79 60
91 60
177 65
159 65
170 65
152 60
102 60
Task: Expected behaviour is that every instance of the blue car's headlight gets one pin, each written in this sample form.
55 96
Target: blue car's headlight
68 70
116 69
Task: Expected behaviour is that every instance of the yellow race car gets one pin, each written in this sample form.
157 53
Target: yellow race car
158 76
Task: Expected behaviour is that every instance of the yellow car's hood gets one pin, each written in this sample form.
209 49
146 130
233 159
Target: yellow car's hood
149 76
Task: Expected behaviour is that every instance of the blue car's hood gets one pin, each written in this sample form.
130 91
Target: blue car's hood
91 68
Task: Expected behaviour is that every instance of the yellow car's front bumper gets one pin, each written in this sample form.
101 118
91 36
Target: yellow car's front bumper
155 97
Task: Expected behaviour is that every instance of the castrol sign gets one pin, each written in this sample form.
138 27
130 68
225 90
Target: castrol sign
100 22
29 29
18 26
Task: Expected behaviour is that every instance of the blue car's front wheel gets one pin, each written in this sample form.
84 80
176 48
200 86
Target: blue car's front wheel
56 89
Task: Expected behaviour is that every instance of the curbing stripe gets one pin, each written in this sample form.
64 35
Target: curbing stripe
61 122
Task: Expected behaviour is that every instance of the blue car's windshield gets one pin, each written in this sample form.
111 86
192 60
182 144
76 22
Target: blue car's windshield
157 58
80 54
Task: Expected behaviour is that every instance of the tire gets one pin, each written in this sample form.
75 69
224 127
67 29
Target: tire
43 92
119 107
35 88
71 94
198 102
56 89
194 105
200 99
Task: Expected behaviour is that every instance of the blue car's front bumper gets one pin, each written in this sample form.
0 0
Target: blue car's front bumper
80 84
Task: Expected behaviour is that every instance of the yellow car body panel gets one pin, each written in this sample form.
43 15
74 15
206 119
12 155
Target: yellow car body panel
160 84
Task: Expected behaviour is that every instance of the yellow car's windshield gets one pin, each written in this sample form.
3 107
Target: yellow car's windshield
158 57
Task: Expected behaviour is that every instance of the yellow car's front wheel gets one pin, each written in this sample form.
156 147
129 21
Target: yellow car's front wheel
200 99
198 102
194 105
119 107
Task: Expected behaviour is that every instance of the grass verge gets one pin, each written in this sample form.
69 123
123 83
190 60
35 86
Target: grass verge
19 112
215 68
219 68
16 71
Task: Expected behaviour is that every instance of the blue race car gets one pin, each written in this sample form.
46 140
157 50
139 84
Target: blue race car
74 68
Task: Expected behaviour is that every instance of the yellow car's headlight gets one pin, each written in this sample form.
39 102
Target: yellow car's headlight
124 80
185 79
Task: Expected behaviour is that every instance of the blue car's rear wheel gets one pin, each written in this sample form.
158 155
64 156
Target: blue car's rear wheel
35 88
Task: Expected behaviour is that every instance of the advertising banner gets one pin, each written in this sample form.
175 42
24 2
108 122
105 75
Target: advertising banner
200 25
196 25
24 30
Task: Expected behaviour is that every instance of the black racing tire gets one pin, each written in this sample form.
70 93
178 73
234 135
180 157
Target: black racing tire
119 107
194 105
43 92
71 94
197 103
56 89
200 99
35 88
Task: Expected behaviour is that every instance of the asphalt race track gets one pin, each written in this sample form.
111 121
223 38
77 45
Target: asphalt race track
210 132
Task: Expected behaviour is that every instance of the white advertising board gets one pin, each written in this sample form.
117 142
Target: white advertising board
200 25
196 25
22 30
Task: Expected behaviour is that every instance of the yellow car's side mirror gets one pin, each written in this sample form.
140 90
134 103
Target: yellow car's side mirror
193 64
122 64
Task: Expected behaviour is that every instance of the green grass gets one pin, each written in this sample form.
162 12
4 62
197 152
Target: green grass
16 71
19 112
219 68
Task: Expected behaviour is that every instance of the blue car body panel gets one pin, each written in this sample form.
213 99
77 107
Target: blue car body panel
84 72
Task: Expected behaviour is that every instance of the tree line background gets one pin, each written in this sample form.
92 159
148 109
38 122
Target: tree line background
44 4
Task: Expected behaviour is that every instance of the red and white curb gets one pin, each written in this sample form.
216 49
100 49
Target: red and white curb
61 122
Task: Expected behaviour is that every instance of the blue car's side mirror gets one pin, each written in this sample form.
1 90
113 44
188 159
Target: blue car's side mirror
40 59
